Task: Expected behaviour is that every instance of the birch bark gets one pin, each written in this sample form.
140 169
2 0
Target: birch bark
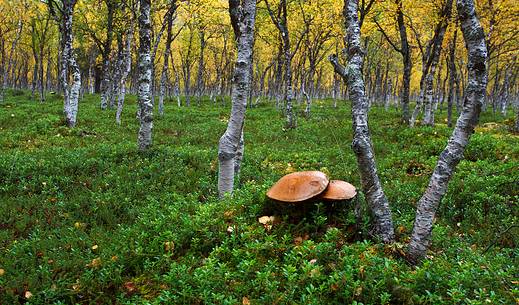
145 71
230 147
453 152
106 50
362 146
68 67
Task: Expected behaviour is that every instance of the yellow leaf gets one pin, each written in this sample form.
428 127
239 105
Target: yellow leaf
169 246
95 263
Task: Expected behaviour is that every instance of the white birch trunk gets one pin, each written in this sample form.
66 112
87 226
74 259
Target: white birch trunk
69 68
145 70
362 146
243 15
453 152
75 87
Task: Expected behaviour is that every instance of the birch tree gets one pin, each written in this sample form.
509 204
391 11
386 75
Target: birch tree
167 51
69 74
280 21
430 59
230 147
453 152
362 146
125 66
405 51
7 66
145 71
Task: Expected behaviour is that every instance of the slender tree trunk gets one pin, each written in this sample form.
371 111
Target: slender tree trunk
289 90
516 125
34 84
201 66
127 67
281 23
406 60
106 81
453 153
48 73
362 146
75 87
452 77
435 53
503 97
145 67
68 66
164 74
243 14
9 64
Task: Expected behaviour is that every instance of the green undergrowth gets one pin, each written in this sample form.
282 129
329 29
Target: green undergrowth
86 218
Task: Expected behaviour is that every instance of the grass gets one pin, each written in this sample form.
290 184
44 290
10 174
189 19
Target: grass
85 218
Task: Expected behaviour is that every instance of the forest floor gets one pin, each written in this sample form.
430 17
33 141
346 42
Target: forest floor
86 218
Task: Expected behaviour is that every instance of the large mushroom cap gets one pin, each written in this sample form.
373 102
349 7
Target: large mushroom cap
299 186
339 190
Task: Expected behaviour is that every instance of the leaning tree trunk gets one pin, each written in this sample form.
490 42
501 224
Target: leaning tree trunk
145 70
362 146
429 111
453 153
243 14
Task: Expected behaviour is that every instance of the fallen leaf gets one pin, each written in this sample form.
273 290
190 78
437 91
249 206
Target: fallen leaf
130 287
95 263
315 272
245 301
298 240
169 246
2 272
264 219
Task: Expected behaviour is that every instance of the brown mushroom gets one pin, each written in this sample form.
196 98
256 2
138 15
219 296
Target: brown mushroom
299 186
339 190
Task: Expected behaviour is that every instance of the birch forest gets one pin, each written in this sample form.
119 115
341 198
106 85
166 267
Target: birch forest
259 152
